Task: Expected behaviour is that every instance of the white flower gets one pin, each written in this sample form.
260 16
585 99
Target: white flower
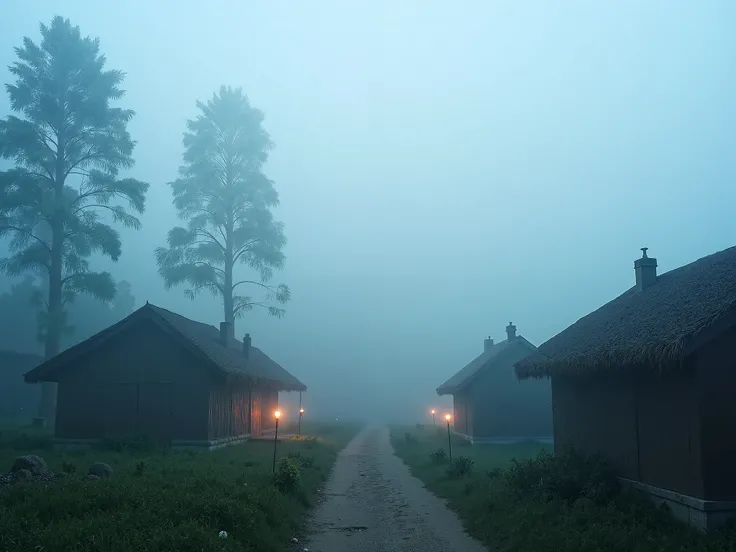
223 534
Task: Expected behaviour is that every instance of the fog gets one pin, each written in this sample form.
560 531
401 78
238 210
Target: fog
443 168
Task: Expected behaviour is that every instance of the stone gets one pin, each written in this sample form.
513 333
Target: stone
100 469
23 474
34 464
93 477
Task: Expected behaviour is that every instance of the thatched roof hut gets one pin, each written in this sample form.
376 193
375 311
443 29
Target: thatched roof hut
489 403
648 380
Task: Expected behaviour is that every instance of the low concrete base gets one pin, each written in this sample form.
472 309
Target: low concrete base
704 515
213 444
176 444
502 440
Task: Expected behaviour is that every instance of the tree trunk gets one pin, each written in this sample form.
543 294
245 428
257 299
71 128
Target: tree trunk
228 287
228 280
55 313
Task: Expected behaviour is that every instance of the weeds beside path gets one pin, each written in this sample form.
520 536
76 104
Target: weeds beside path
164 500
497 507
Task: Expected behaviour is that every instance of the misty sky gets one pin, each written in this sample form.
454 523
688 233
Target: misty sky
444 168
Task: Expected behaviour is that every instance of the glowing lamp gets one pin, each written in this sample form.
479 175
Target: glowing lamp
448 417
277 414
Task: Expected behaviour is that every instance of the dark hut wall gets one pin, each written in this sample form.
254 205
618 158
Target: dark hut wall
506 408
647 427
229 412
463 412
269 405
716 364
141 381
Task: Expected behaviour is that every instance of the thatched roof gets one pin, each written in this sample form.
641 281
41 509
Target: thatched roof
650 329
484 361
201 338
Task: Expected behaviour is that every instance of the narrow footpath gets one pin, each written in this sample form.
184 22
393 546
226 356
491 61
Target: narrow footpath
372 503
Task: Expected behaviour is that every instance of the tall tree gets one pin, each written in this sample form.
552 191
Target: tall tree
226 200
58 202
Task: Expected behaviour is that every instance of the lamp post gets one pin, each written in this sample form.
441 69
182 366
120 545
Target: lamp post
301 413
449 440
277 415
434 420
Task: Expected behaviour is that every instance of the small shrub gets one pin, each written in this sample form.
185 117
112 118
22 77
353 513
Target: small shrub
494 473
439 456
305 462
420 426
569 477
287 476
68 467
460 467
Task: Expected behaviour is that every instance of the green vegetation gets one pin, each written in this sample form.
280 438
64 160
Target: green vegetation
164 500
521 498
226 201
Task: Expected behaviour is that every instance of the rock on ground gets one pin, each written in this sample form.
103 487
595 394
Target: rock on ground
100 469
373 504
34 464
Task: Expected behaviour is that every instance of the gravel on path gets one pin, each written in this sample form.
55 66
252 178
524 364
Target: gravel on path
371 503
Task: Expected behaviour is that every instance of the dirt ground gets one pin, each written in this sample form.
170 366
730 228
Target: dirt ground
371 503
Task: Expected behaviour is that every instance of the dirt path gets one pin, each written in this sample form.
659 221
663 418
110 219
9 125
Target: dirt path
373 504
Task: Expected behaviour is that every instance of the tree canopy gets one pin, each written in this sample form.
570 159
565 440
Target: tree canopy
226 201
59 203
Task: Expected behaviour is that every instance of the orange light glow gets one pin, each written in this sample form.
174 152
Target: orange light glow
448 417
301 411
433 411
277 414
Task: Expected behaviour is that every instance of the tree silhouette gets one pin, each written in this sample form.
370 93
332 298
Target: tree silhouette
226 200
68 149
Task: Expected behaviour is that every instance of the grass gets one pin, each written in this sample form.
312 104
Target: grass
489 502
164 500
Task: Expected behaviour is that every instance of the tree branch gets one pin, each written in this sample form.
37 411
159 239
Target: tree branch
28 233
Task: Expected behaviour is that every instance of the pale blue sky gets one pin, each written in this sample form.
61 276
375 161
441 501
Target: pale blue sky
443 167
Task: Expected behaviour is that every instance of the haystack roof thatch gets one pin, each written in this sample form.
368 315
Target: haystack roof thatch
653 328
202 339
483 361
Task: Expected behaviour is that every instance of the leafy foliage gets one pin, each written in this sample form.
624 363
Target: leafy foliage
177 501
508 508
226 200
303 460
287 475
439 456
19 331
461 466
567 477
58 202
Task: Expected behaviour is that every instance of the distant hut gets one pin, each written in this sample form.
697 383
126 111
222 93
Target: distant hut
490 405
158 374
649 381
18 400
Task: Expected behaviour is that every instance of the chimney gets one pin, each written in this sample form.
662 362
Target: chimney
225 332
487 344
246 345
645 270
511 332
